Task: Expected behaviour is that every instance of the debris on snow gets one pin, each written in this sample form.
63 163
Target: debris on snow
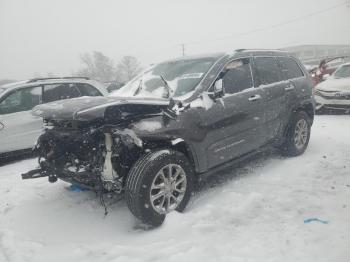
315 219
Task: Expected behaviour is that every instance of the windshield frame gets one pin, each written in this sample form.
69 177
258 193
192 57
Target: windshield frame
187 96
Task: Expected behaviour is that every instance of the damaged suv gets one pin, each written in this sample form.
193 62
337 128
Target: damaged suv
174 122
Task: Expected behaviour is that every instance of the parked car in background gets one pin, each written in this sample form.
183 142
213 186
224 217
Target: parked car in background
334 93
176 121
326 68
19 129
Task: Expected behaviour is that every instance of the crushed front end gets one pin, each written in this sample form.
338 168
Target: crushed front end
91 146
94 156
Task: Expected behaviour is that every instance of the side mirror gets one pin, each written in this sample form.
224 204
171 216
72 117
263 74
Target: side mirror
219 89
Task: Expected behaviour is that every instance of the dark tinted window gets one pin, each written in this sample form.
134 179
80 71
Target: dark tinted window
267 70
238 76
290 68
22 100
87 90
53 92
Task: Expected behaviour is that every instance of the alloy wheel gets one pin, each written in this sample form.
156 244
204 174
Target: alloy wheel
168 188
301 134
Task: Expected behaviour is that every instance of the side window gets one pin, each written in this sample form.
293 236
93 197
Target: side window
237 76
87 90
54 92
267 70
290 68
21 100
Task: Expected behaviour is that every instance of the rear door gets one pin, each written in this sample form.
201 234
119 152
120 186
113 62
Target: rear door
233 122
269 79
19 129
297 83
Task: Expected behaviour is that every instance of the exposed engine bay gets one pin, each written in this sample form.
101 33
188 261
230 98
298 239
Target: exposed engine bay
91 158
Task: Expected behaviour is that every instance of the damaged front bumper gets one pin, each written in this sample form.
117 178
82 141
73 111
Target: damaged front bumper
97 159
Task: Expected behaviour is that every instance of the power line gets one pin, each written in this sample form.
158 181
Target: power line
271 26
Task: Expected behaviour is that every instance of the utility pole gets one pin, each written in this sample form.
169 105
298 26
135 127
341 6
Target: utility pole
183 49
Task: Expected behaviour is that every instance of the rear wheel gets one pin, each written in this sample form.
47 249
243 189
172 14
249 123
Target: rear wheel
158 183
298 135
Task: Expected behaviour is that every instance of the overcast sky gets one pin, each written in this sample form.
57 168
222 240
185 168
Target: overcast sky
41 36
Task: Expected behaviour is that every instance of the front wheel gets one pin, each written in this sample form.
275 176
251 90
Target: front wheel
298 135
158 183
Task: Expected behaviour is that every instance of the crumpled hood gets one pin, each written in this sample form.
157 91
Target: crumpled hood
91 108
335 84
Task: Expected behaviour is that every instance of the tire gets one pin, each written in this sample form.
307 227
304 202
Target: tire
291 147
147 172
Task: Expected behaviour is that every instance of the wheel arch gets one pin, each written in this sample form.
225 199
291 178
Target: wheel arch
305 106
179 145
309 109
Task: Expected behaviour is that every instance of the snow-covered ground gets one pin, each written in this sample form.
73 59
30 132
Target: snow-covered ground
255 213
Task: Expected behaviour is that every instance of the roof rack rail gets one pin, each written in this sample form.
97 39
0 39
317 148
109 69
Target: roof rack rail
72 77
255 49
52 78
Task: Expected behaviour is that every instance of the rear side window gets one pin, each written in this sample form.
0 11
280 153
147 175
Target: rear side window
87 90
290 68
267 70
54 92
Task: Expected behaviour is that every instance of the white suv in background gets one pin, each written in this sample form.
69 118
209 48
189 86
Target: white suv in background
19 129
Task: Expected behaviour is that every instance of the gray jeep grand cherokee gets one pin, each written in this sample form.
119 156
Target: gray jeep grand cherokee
174 122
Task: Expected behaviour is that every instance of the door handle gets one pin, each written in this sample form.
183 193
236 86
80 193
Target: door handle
254 98
2 126
289 87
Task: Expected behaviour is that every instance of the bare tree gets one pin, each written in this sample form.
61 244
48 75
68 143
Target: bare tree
97 66
127 68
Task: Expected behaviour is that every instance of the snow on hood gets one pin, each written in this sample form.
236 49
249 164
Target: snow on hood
335 84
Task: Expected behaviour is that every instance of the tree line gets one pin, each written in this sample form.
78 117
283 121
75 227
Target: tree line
96 65
100 67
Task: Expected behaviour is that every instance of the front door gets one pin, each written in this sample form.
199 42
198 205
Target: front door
18 128
233 122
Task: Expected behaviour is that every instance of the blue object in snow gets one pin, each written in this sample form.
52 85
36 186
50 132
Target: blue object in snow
315 219
76 188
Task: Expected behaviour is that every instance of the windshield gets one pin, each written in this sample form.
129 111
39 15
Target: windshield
342 72
169 79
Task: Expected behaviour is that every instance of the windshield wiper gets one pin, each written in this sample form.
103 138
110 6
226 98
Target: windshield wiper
166 85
